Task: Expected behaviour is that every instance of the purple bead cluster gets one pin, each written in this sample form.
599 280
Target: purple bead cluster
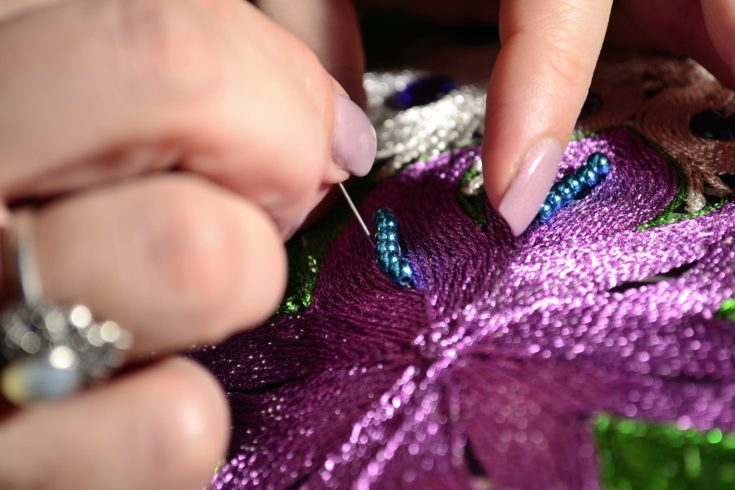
572 186
390 260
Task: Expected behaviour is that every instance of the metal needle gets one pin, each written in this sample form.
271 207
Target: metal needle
355 212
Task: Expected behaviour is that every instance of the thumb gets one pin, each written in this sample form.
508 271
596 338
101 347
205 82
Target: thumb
537 88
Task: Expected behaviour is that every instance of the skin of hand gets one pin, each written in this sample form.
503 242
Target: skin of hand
540 79
174 144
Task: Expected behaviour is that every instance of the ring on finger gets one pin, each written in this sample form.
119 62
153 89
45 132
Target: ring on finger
47 350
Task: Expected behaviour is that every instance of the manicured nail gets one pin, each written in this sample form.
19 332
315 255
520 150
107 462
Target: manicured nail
354 143
531 184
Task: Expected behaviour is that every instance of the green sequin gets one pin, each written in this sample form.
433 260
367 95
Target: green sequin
727 310
472 205
306 251
634 454
303 271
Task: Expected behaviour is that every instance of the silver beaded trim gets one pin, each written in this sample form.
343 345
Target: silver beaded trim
423 131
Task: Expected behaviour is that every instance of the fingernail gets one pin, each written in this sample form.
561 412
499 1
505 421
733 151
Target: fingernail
531 184
355 142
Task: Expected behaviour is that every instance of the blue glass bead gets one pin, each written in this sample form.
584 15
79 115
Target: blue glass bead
383 213
388 247
422 91
565 191
386 223
554 200
386 261
599 163
574 183
713 124
401 272
386 236
587 175
545 212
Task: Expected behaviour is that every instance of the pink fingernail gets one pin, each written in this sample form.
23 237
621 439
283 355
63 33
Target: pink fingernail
355 143
531 184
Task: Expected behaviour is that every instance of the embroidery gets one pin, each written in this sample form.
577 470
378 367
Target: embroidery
495 370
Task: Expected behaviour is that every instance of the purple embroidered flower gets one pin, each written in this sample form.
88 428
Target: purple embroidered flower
493 368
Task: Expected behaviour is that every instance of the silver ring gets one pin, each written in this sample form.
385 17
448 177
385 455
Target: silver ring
47 351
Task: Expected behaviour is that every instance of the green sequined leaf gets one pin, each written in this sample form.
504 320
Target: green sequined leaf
307 250
634 454
727 310
472 204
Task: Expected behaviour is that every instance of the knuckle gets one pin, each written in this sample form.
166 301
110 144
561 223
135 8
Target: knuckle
187 433
559 30
167 48
205 265
193 253
568 66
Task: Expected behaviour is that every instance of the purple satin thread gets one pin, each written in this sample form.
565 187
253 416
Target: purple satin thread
495 365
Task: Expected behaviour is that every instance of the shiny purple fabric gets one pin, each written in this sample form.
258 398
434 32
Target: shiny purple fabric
494 367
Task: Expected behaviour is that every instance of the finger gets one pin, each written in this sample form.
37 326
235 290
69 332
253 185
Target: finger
719 19
537 88
330 29
148 83
162 427
9 8
174 258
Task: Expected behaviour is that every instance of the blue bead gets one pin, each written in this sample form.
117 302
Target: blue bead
386 236
554 200
383 213
401 272
386 261
565 191
599 163
588 176
545 212
386 223
574 183
388 247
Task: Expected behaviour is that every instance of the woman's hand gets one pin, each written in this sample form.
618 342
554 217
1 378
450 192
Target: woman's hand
542 73
101 99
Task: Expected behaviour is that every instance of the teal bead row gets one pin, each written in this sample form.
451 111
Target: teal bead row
388 249
565 192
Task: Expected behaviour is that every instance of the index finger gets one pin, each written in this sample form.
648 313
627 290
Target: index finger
537 88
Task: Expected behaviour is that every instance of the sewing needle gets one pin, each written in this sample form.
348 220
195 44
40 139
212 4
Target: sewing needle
355 212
